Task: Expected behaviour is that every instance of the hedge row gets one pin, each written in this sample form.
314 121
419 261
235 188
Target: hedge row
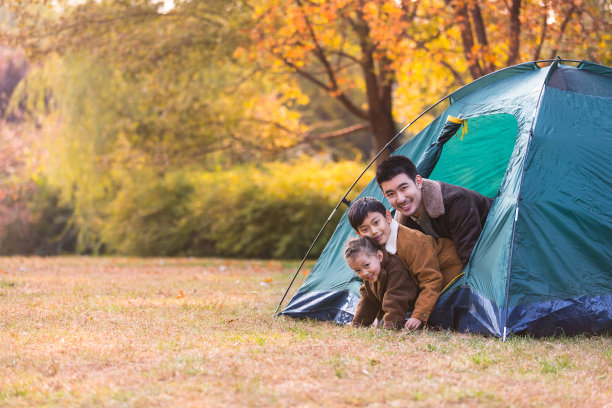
272 210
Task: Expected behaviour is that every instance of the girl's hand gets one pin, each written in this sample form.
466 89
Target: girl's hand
412 324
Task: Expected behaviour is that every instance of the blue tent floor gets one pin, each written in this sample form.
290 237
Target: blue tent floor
465 310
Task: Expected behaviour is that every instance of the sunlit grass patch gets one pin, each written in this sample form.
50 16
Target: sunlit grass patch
7 284
607 354
476 396
483 359
553 366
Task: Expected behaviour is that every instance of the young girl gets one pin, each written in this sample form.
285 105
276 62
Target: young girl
388 288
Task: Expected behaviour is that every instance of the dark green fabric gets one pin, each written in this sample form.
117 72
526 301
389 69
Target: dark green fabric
488 269
595 68
563 244
493 78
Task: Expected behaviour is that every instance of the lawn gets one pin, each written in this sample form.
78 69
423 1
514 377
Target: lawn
133 332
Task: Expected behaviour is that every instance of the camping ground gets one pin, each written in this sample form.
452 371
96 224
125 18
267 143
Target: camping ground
115 332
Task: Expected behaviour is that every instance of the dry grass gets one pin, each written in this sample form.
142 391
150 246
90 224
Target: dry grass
194 332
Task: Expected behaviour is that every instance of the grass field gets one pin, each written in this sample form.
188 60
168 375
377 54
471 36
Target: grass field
131 332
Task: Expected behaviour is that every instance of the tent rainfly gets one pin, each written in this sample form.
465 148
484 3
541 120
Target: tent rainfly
540 142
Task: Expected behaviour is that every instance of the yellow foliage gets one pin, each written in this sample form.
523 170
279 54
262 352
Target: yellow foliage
272 209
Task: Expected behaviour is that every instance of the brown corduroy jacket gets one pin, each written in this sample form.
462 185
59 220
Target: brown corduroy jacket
392 295
433 262
456 213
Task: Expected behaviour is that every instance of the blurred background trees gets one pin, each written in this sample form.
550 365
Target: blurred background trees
233 127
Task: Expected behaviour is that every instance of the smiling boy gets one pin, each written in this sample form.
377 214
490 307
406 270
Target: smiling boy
433 262
438 209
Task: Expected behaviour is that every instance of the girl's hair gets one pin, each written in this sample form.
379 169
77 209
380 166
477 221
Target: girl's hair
356 245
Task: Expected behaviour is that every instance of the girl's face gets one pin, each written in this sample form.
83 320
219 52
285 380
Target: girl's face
366 265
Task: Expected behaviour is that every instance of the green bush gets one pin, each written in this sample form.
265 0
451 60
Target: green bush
273 210
33 221
146 217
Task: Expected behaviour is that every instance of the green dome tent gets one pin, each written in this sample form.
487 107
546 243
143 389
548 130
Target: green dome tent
539 140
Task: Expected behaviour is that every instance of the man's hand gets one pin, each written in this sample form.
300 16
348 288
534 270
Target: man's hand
412 324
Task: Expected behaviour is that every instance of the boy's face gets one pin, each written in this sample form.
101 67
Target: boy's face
404 194
376 227
366 265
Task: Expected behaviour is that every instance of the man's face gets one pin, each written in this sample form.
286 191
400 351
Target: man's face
404 194
367 266
376 227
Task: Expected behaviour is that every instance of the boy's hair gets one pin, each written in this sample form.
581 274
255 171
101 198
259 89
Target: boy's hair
360 208
356 245
393 166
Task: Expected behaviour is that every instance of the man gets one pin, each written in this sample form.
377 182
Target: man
436 208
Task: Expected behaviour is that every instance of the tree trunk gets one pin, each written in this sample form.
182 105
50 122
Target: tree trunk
379 79
515 33
462 18
383 129
380 103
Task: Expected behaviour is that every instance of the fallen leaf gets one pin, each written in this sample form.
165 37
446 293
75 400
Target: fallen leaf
268 280
180 295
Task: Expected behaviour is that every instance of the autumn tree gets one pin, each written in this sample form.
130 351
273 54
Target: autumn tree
365 53
495 34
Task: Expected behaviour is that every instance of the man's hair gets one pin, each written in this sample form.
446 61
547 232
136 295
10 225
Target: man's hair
394 166
360 208
356 245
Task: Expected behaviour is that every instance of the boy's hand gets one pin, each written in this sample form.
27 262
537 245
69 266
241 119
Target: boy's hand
412 324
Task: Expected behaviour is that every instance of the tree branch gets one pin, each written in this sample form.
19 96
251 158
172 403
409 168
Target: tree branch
564 24
341 97
367 63
305 74
337 92
538 50
342 54
481 36
465 27
349 130
319 52
515 33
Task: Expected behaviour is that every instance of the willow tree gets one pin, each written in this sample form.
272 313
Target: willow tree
127 88
189 98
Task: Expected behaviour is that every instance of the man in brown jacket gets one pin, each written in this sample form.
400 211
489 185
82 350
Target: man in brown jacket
433 262
438 209
388 289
